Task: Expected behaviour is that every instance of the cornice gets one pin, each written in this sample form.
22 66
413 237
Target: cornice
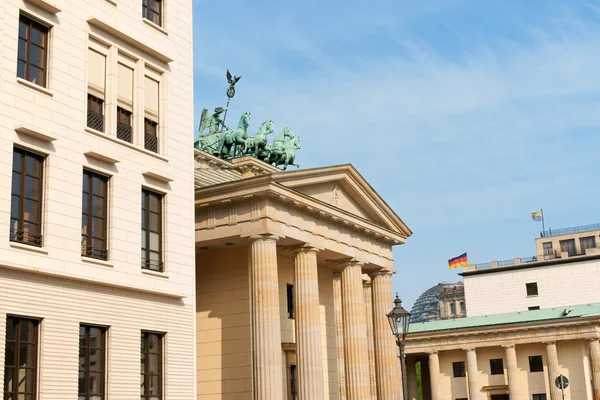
242 164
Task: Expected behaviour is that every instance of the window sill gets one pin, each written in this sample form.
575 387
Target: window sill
155 273
97 262
35 87
532 295
22 246
124 143
157 27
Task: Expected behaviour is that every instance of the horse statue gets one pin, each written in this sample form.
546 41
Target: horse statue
283 152
255 144
233 138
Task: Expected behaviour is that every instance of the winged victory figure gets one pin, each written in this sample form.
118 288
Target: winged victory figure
232 80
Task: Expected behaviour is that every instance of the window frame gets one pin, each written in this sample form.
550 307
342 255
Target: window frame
145 340
584 241
33 22
548 248
539 396
87 370
291 300
458 369
92 102
17 353
571 249
293 382
146 260
150 129
531 289
91 251
148 11
534 359
496 366
533 308
452 308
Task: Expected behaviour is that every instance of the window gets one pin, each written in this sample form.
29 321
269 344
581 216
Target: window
541 396
152 10
587 242
94 213
452 309
152 231
151 366
20 366
293 382
290 301
96 89
532 289
459 369
568 246
536 364
26 199
124 128
548 250
92 354
124 102
462 307
151 111
33 51
496 366
532 308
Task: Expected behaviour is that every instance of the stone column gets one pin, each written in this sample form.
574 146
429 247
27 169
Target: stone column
371 345
412 378
473 375
514 389
553 370
595 363
309 351
339 333
266 330
435 376
356 353
387 363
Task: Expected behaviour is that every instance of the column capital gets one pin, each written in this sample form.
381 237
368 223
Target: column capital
349 262
469 349
509 346
433 353
550 342
336 275
263 236
303 248
383 272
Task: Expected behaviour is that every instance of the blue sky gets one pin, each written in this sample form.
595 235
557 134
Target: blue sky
465 116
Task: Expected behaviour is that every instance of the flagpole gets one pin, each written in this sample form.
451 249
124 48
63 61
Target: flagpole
543 225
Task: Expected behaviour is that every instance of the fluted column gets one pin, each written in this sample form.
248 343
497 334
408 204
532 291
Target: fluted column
553 370
595 362
266 328
339 333
371 345
435 376
514 389
411 371
309 351
473 375
387 364
356 353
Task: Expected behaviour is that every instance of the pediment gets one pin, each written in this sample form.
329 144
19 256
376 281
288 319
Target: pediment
344 188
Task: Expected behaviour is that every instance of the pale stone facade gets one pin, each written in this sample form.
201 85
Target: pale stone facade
327 233
53 283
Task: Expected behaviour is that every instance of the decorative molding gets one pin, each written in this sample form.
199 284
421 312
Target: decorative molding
100 156
35 133
335 198
157 176
45 5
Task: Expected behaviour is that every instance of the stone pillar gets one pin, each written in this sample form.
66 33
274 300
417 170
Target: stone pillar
412 378
309 351
356 353
434 376
266 330
473 375
371 345
514 389
595 363
339 333
387 363
553 370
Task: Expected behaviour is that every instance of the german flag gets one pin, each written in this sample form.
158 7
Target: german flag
459 261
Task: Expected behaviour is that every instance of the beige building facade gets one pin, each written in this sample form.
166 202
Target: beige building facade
293 283
96 191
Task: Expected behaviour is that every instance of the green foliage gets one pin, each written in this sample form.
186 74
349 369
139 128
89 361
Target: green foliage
419 381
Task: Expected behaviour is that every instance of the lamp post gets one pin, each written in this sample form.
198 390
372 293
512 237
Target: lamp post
399 321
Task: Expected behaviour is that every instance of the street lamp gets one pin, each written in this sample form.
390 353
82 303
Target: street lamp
399 321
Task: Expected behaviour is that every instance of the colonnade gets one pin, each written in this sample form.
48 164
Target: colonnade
354 366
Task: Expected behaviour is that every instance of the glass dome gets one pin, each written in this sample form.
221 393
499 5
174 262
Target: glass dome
427 306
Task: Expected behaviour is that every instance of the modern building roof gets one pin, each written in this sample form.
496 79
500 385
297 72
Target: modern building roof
548 314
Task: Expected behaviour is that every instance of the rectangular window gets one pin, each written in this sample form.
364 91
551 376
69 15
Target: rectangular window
151 366
151 112
587 242
536 364
496 366
568 246
92 364
290 301
26 199
124 127
124 102
152 231
453 309
532 289
96 90
293 382
532 308
20 365
459 369
152 10
462 307
548 250
541 396
33 51
94 216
